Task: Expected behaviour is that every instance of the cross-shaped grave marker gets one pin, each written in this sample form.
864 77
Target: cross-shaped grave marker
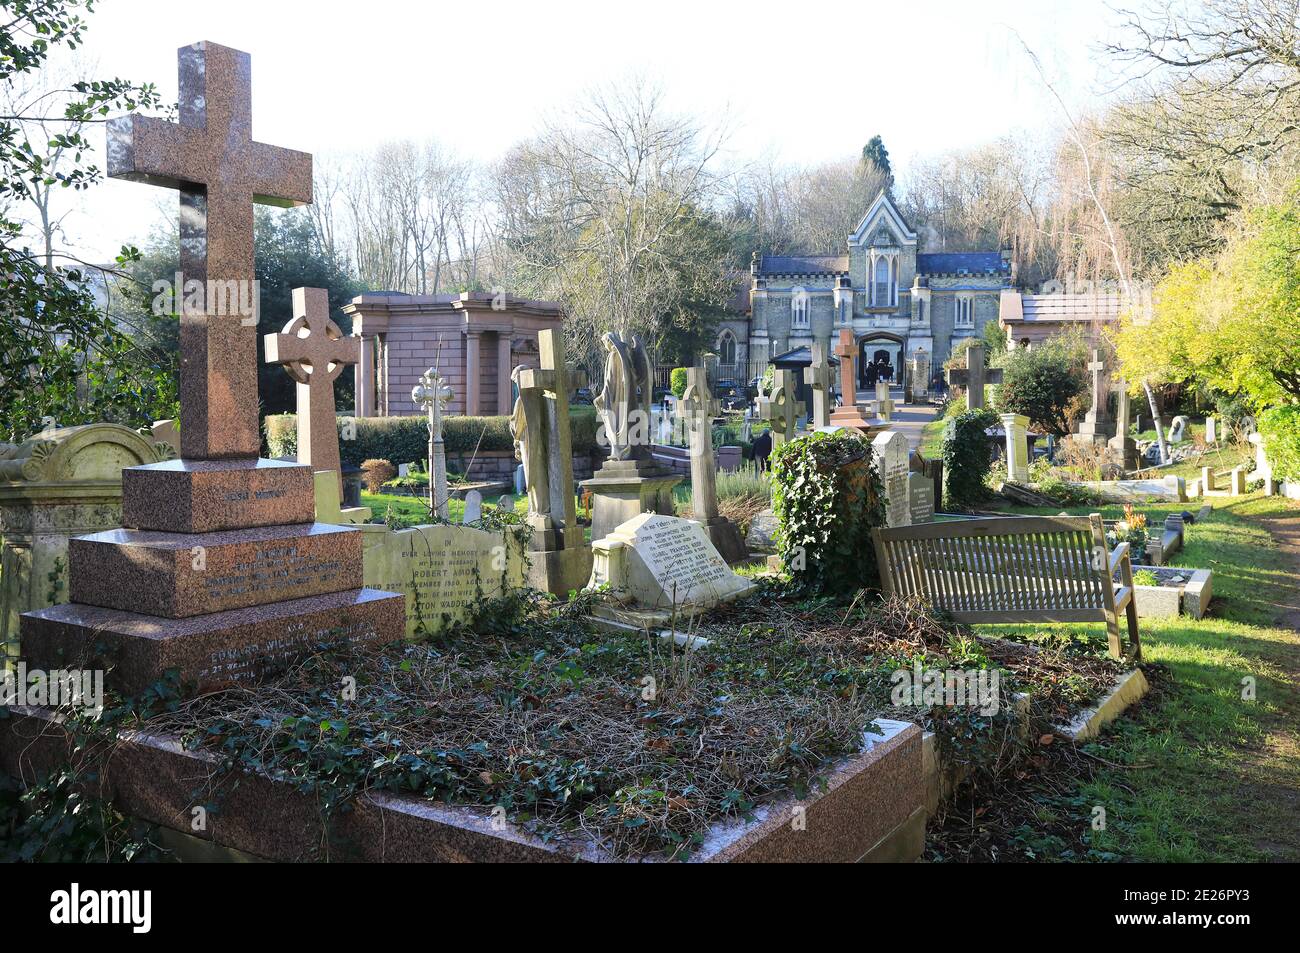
431 395
819 377
779 408
211 158
848 414
974 376
313 351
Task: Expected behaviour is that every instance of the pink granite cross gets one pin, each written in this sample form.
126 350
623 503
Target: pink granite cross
314 352
211 158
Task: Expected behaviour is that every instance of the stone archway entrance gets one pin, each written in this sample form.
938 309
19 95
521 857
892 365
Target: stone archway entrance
883 352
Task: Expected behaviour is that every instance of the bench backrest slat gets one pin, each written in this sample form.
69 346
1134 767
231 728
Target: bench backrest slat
1022 565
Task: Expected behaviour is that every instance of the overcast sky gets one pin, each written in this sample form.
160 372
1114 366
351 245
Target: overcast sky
802 81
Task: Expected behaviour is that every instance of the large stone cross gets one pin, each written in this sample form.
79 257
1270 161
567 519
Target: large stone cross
698 409
211 158
1100 388
846 350
818 376
974 376
546 391
314 352
431 395
780 410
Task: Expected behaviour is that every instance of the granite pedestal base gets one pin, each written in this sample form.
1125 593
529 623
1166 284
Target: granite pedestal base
211 651
205 496
622 489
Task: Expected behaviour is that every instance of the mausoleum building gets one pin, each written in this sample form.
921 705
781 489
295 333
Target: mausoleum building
899 303
474 339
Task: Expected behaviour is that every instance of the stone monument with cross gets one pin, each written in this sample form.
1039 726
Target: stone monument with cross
780 408
221 572
432 395
1122 447
698 408
973 376
1097 425
313 351
820 379
559 557
848 414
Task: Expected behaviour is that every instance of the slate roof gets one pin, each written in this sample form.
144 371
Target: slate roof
799 357
951 263
803 264
1071 307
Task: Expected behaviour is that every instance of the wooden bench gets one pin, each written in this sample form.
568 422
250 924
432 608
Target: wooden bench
1014 569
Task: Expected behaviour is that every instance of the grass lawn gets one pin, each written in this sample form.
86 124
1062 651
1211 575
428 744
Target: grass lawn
1195 772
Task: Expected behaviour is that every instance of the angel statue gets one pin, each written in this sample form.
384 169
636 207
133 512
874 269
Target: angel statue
624 404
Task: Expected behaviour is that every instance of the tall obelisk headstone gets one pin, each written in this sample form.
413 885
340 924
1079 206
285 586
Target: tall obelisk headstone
223 576
313 351
699 407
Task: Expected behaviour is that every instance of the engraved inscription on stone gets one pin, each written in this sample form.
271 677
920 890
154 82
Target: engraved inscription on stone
273 569
251 660
683 561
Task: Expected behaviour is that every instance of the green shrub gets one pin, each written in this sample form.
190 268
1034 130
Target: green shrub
677 382
376 473
406 439
967 457
744 481
1046 383
827 497
1280 428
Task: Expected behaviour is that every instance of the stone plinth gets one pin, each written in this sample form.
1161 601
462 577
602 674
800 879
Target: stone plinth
726 538
559 571
209 651
1016 427
176 575
622 489
205 496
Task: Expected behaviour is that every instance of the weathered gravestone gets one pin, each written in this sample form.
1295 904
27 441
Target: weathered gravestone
890 455
1123 448
221 545
660 565
780 408
559 557
1097 425
330 509
59 484
444 570
313 351
698 409
1178 429
974 376
819 378
920 497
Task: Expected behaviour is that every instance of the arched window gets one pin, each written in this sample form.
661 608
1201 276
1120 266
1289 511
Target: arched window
965 317
727 348
799 317
882 293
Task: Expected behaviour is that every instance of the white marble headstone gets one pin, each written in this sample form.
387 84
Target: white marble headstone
891 460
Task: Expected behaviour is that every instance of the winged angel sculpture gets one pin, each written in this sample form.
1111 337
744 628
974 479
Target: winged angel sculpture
624 404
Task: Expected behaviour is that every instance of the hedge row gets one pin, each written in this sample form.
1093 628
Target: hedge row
406 439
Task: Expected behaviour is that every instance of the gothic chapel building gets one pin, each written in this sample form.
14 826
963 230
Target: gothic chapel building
899 303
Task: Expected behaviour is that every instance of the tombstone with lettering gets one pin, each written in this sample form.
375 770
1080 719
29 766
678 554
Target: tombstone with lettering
660 566
222 575
444 570
920 497
890 453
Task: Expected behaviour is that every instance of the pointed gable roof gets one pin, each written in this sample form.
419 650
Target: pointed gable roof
884 210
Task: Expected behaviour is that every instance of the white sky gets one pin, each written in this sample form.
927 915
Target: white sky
804 82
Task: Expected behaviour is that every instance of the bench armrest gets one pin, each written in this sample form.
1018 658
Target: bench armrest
1118 555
